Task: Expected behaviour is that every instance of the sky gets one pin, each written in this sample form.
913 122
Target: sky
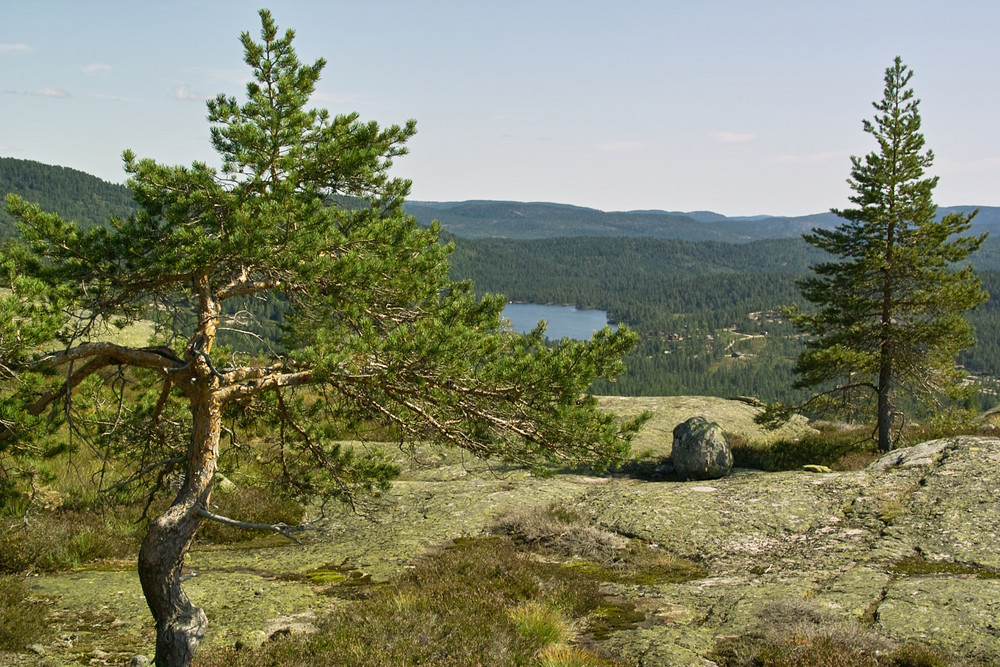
735 107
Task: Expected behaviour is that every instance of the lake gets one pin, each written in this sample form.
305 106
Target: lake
563 321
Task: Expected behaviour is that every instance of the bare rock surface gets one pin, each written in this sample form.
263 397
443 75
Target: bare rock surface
909 551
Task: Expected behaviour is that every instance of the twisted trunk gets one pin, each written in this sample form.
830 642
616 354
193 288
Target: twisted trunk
179 624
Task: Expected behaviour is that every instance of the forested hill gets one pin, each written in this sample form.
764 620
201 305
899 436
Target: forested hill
73 194
704 307
520 220
87 199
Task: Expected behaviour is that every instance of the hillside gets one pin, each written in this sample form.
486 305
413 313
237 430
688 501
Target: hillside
89 200
693 295
73 194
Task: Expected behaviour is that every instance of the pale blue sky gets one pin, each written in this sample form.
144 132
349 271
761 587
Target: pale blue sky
736 107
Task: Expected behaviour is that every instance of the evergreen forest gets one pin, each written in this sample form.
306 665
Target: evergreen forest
706 311
73 194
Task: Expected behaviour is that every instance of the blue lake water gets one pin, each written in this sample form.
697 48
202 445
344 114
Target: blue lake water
563 321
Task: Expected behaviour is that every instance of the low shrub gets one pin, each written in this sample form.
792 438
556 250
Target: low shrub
839 449
601 554
21 621
796 634
479 602
560 530
64 539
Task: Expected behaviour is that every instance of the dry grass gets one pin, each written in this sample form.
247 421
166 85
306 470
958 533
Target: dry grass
797 634
599 554
560 655
734 416
481 602
560 530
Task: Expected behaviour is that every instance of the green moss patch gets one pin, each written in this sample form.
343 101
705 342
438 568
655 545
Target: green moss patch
611 617
922 567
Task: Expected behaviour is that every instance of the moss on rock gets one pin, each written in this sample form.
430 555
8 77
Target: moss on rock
756 538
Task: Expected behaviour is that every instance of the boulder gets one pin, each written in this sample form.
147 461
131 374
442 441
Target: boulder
701 450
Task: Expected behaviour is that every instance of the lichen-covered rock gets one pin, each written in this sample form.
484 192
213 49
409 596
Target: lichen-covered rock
924 454
905 551
701 450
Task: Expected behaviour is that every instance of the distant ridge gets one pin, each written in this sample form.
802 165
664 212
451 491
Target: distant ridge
90 200
479 219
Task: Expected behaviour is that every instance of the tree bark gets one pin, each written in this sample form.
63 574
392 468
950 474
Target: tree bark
180 625
884 407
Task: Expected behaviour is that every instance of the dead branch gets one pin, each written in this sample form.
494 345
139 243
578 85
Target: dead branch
281 528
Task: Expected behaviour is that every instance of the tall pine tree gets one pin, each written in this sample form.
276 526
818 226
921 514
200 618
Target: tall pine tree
375 336
889 318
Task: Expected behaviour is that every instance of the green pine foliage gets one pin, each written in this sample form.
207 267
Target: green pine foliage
375 339
889 309
662 288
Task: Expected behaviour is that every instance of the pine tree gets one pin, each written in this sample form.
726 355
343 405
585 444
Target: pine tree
889 317
375 338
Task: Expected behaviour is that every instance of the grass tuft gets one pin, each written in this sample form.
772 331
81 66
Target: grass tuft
541 623
66 539
561 655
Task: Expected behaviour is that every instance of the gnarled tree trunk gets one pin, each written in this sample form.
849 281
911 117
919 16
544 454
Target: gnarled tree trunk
179 624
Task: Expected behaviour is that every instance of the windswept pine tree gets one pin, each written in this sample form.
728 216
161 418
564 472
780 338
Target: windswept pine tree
889 318
375 337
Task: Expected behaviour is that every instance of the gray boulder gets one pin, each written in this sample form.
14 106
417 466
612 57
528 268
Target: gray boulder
701 450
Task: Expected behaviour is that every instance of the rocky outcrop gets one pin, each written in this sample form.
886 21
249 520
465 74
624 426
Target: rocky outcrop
906 551
701 450
925 454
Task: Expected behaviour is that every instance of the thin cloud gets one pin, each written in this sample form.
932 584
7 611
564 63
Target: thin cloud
624 146
50 92
185 94
13 48
215 75
92 69
732 137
